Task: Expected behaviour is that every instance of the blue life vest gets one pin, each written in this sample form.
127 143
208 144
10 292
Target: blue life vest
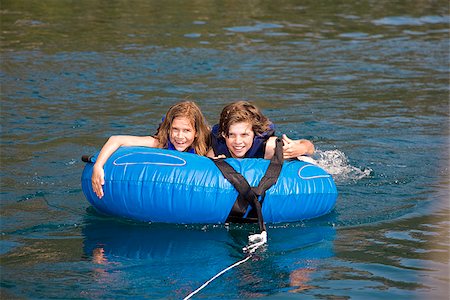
257 150
170 146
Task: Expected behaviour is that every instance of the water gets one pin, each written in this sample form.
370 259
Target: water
366 81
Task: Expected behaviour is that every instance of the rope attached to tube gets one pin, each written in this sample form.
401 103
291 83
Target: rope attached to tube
255 241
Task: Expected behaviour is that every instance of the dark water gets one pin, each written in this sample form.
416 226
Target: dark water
366 81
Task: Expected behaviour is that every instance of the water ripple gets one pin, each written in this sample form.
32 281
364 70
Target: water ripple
405 20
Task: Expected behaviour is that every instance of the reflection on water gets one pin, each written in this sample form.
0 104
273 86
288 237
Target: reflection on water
366 81
411 254
180 258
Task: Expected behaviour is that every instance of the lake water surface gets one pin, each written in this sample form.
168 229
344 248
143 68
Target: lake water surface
366 81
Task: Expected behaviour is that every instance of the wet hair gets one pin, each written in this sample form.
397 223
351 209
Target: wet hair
243 111
189 110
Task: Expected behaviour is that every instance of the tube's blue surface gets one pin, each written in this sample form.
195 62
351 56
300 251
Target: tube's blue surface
157 185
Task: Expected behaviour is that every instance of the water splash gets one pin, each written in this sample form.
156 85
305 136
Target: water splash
336 163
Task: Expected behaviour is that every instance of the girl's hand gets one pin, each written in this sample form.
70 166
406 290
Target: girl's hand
98 180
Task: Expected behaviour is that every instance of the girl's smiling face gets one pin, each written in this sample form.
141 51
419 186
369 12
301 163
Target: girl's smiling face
182 133
239 139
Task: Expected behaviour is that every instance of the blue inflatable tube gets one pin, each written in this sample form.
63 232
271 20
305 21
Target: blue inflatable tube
158 185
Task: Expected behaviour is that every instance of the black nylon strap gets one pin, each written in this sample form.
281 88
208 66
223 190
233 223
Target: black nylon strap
240 184
86 158
249 195
273 170
271 176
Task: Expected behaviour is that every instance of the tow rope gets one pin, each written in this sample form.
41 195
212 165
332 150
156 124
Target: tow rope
255 241
248 196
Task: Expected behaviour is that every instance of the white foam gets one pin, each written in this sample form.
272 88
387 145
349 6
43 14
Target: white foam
336 164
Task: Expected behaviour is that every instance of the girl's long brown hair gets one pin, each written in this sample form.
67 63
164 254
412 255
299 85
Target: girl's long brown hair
189 110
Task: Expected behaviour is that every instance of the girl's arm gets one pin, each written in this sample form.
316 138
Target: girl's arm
210 153
114 143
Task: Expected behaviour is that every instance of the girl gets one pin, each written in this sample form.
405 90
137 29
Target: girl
183 129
